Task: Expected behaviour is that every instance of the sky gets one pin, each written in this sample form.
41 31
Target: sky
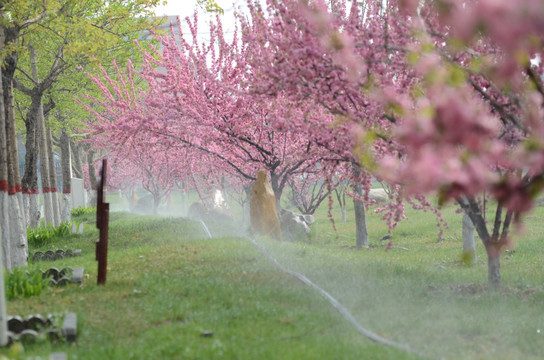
185 8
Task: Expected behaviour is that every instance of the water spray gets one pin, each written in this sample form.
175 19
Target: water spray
333 301
336 304
205 228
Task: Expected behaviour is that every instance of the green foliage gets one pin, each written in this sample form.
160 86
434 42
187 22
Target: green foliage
21 283
82 210
44 235
64 36
211 6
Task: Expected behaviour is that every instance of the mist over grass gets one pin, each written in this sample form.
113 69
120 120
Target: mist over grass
421 293
168 284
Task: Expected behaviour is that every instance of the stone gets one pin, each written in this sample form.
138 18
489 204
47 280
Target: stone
16 324
63 281
12 337
293 225
28 336
215 199
263 213
51 272
212 206
67 271
77 275
69 327
309 219
38 255
378 195
36 322
58 356
144 205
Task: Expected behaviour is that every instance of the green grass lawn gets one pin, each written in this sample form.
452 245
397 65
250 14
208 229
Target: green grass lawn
167 285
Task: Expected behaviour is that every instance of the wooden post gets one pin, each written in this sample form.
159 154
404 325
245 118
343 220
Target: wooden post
102 219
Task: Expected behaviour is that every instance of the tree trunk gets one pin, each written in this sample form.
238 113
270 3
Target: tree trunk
493 242
92 178
44 169
30 177
156 203
493 266
278 190
17 231
361 234
76 159
3 312
66 176
360 219
4 207
53 178
469 250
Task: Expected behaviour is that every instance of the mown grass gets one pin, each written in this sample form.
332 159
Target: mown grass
167 284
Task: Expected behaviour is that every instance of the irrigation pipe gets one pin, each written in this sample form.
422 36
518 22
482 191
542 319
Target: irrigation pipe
336 304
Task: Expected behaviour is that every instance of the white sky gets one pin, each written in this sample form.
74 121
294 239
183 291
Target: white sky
184 8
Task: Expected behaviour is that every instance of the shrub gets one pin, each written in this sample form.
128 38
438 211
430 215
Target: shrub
20 282
43 235
82 210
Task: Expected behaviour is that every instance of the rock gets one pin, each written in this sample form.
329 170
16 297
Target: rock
293 225
263 213
69 327
215 199
309 219
197 211
378 195
143 205
212 206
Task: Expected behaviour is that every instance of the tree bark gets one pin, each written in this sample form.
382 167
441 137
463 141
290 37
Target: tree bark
4 225
75 154
44 169
66 176
30 176
493 267
469 250
53 178
17 231
4 202
361 234
92 177
493 242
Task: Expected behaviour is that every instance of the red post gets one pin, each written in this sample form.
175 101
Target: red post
102 219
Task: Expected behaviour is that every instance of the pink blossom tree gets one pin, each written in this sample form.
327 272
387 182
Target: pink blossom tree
475 126
442 96
197 98
333 57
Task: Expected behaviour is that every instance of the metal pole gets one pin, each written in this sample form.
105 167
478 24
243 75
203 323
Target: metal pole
102 219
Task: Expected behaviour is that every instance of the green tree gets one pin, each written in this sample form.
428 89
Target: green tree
72 39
